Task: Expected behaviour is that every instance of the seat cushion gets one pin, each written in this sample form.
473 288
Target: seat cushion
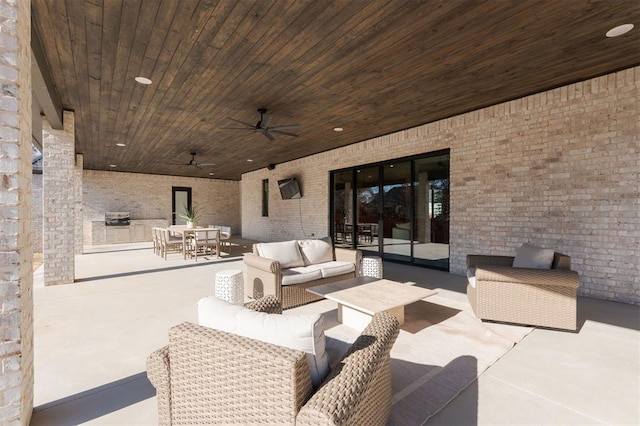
316 251
285 252
334 268
301 332
529 256
471 277
300 275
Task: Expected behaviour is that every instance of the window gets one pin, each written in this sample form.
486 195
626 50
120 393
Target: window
265 197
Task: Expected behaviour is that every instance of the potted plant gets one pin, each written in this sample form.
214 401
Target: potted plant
191 215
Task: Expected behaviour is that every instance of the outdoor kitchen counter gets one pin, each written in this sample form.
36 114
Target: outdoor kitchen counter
138 230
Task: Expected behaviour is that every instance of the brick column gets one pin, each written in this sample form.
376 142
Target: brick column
59 204
16 278
77 210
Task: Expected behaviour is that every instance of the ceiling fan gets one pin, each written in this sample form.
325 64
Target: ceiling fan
193 163
262 126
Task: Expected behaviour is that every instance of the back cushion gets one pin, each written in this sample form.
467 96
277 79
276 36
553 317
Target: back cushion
285 252
529 256
316 251
300 332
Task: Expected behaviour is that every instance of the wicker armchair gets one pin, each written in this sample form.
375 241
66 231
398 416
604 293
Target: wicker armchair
539 297
206 376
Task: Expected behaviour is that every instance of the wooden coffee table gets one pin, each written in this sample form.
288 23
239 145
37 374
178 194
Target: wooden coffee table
360 298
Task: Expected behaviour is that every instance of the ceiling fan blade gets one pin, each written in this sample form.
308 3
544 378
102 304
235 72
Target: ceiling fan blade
177 164
241 122
267 134
239 128
287 126
280 132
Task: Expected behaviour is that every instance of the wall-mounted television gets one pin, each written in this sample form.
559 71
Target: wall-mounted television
289 189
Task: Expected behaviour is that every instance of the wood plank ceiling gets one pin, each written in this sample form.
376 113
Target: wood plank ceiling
370 67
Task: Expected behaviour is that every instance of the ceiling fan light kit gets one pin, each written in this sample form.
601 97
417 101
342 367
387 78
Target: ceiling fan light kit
262 126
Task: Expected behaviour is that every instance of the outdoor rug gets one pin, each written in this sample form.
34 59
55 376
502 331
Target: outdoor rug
441 349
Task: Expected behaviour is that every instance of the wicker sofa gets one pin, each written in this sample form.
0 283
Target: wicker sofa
539 297
206 376
286 269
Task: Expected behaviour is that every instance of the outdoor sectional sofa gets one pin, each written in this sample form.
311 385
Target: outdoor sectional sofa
286 269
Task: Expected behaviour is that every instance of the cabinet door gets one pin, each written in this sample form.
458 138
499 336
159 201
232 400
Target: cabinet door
139 232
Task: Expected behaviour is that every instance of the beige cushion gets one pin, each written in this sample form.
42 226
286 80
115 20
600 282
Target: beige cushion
285 252
316 251
529 256
331 269
301 332
300 275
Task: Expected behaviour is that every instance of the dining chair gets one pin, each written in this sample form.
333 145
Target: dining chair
205 242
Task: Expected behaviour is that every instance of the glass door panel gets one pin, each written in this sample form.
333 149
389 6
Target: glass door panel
397 211
431 224
342 199
180 199
368 211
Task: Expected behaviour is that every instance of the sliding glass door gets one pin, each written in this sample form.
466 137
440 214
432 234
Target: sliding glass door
398 209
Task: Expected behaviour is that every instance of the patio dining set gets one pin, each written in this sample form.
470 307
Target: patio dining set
191 242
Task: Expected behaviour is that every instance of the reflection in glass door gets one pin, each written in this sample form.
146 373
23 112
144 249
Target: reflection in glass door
368 210
342 202
397 211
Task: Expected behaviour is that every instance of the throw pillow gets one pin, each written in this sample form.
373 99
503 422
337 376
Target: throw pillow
300 332
285 252
529 256
316 251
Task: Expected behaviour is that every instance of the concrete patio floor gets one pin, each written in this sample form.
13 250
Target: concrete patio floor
92 339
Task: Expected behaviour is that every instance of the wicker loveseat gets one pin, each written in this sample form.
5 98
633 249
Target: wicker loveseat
206 376
286 269
539 297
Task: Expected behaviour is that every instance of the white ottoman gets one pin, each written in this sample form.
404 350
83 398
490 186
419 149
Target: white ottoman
230 286
371 267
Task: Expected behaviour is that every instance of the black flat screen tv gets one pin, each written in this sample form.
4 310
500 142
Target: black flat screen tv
289 189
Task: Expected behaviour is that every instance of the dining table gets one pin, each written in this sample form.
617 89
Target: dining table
187 232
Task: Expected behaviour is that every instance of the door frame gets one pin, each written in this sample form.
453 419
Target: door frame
175 189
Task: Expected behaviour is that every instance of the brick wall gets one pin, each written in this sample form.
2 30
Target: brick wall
36 212
59 200
149 197
558 169
16 277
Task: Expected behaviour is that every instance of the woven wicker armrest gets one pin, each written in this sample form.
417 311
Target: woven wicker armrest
219 378
268 304
262 263
475 260
358 390
539 277
158 374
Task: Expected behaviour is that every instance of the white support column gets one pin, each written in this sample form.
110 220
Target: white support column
16 277
59 202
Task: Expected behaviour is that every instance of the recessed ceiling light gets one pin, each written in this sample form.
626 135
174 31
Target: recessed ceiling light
210 173
112 165
121 144
338 129
143 80
619 30
249 160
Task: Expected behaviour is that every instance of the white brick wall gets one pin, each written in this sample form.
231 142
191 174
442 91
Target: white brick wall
59 201
36 213
149 197
16 279
558 169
